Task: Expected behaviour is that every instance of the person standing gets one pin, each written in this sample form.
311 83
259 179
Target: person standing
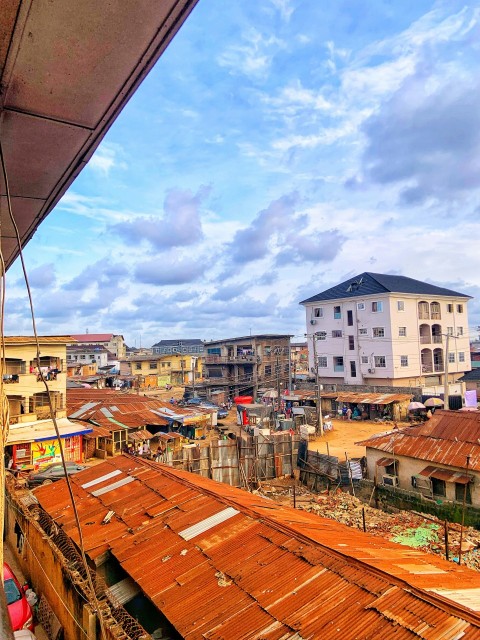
348 413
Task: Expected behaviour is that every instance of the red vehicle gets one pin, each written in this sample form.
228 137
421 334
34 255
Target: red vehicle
20 612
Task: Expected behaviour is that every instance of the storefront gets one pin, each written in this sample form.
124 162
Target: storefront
34 445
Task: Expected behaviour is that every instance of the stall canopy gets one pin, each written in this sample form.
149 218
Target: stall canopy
143 434
45 430
372 398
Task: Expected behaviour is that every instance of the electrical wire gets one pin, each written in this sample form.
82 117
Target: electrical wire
50 404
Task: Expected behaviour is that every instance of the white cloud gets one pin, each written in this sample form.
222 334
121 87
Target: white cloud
254 57
106 157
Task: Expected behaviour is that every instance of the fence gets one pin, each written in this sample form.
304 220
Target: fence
243 462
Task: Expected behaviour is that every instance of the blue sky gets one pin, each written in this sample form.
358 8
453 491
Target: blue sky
277 148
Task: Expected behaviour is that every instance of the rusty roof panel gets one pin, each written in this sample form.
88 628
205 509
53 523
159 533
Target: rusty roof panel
268 571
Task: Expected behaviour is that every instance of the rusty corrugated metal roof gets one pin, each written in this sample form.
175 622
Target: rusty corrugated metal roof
373 398
265 571
447 438
445 474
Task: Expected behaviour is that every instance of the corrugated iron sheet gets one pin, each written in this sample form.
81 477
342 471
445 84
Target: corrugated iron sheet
373 398
445 474
447 438
265 572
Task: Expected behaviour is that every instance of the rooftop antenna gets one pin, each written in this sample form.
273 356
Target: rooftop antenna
86 330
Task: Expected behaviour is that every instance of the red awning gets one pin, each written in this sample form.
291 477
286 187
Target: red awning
446 474
385 462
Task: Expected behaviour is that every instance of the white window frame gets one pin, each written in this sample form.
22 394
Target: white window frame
402 334
322 362
404 361
378 330
363 331
337 333
450 307
380 362
461 356
318 312
400 305
377 306
365 360
459 331
337 315
459 308
450 331
321 335
360 306
451 357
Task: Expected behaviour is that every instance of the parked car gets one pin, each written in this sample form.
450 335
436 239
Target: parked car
19 611
53 472
194 401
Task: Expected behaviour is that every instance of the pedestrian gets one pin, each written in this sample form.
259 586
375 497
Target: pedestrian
344 412
348 413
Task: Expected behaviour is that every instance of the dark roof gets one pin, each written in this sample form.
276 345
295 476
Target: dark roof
371 283
176 343
474 374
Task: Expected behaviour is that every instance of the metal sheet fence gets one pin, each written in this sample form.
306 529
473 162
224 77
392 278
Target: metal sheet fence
242 462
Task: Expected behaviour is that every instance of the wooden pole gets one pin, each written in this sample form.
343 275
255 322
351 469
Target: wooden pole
294 498
350 474
363 519
463 513
447 554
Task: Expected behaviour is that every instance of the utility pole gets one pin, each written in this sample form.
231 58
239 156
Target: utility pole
289 369
446 404
278 379
317 386
194 362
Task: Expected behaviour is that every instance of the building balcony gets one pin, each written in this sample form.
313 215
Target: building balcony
437 339
211 359
425 340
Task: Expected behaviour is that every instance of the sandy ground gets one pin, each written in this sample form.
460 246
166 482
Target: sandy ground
344 435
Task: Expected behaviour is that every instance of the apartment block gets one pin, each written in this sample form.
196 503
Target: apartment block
377 329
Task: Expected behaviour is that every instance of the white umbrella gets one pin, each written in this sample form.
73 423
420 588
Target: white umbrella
434 402
271 393
415 405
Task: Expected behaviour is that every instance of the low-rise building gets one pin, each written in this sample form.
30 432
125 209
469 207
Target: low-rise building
113 342
88 354
247 365
24 376
185 346
157 371
438 459
387 330
175 554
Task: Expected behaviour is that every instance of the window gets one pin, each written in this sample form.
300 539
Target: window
138 365
337 313
322 335
402 332
351 343
459 308
338 363
461 356
268 351
350 318
461 491
336 333
82 357
322 361
438 487
451 356
404 361
450 308
450 331
377 307
460 331
360 306
353 369
152 365
364 359
318 312
363 332
378 332
268 369
380 361
400 305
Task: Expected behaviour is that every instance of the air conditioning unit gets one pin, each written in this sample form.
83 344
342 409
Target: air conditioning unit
313 321
371 371
390 481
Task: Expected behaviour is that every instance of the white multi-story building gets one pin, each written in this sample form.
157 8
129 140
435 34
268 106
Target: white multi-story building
378 329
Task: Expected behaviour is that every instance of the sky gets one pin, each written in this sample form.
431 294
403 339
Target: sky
277 148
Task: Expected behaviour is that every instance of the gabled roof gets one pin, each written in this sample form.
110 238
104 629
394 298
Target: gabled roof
180 342
220 562
447 438
368 283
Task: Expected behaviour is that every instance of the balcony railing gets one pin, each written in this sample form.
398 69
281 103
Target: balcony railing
439 367
427 368
425 339
338 368
233 359
437 339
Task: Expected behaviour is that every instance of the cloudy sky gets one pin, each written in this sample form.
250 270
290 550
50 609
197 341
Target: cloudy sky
278 148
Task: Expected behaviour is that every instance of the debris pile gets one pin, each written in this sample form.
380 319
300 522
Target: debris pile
421 531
